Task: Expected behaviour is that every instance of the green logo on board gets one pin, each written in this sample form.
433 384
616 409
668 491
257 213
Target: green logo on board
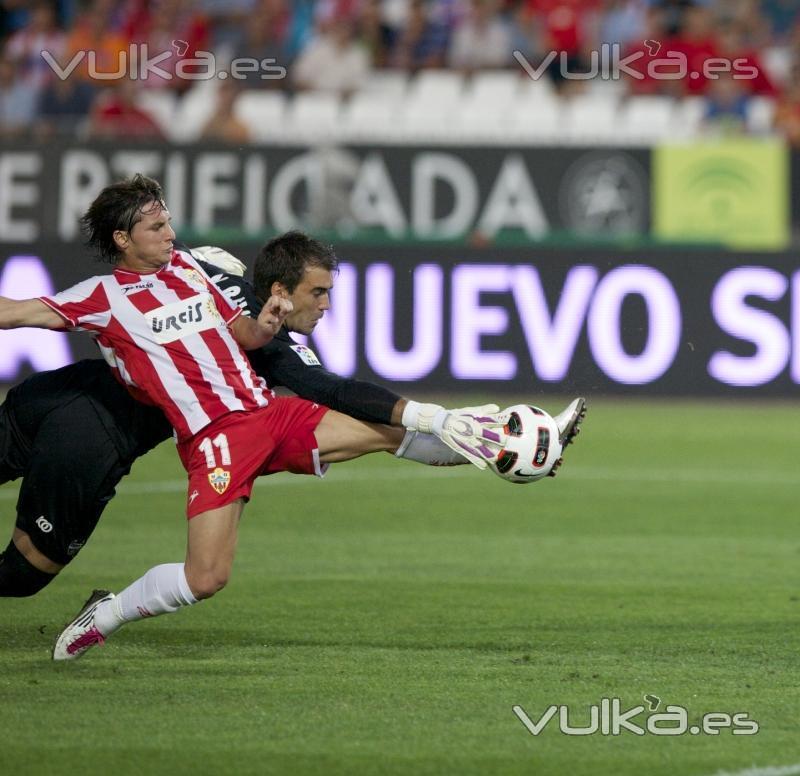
734 193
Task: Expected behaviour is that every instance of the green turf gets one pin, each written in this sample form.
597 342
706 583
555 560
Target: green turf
385 621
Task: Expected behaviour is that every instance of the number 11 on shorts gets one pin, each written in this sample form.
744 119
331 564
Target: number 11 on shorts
207 446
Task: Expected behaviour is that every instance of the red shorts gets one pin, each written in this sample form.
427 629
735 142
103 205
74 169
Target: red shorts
224 459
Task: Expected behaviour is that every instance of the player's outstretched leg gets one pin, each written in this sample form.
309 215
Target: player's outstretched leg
81 633
164 589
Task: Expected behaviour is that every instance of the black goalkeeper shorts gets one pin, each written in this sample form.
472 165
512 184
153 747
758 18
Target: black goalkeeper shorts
69 470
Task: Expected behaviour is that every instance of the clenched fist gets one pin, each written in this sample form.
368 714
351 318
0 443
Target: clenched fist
274 313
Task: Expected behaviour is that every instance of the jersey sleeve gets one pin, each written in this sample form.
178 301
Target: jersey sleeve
284 362
83 306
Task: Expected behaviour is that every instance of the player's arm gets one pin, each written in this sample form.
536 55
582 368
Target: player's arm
284 363
254 333
280 363
16 313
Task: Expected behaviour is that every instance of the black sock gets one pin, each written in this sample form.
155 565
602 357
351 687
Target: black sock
18 578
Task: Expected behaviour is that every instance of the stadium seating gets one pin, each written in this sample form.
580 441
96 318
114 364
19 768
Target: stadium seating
492 107
193 112
647 119
760 115
591 118
370 116
392 84
313 117
262 112
689 117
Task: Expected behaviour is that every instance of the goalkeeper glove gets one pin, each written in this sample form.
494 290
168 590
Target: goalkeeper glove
220 258
472 431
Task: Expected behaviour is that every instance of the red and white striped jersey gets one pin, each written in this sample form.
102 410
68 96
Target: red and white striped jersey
166 333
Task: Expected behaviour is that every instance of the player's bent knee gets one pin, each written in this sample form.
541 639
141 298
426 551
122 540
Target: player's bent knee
207 584
18 577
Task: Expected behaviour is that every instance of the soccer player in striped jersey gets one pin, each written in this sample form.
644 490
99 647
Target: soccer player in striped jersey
176 342
73 433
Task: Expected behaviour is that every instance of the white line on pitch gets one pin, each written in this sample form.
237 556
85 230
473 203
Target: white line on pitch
636 474
348 474
769 770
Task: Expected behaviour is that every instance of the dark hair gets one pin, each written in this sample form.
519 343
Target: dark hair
119 206
284 259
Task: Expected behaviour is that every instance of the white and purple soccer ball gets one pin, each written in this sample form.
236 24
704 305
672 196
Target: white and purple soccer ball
532 448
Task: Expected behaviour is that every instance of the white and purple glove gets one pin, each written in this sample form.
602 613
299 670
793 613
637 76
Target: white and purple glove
476 435
471 432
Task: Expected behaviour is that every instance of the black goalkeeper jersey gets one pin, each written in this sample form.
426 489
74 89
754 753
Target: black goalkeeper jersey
284 362
84 387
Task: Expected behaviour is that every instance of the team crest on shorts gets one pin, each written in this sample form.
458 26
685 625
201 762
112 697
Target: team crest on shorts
219 479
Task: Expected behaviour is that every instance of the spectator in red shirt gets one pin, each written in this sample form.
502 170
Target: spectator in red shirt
697 44
744 61
169 26
649 53
566 23
566 28
115 114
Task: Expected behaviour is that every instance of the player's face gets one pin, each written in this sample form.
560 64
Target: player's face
148 246
311 298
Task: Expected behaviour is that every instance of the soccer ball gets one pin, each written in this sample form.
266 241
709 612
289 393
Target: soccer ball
533 446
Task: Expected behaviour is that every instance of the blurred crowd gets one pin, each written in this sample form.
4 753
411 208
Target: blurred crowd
108 52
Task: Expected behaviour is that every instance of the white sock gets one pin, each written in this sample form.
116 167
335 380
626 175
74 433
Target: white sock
427 449
161 590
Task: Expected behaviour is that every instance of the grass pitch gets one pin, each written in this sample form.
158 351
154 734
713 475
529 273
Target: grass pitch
386 620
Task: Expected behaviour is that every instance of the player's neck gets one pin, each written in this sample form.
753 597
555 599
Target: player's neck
139 266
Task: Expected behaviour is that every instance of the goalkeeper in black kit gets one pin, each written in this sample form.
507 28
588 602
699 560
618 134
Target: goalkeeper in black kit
73 433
